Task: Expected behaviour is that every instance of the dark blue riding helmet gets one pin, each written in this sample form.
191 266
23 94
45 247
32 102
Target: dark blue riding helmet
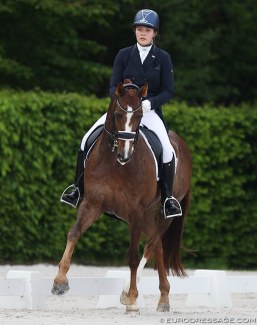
147 17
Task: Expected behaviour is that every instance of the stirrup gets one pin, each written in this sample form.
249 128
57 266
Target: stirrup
177 204
69 203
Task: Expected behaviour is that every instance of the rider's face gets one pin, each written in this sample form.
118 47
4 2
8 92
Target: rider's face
145 35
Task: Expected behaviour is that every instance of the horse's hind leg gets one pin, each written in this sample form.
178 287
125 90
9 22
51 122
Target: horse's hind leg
154 248
86 216
164 285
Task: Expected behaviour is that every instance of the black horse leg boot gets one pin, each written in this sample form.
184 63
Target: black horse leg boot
73 193
171 206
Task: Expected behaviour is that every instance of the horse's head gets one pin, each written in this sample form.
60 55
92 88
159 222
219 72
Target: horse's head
127 112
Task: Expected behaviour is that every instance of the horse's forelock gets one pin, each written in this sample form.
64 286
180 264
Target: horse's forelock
131 92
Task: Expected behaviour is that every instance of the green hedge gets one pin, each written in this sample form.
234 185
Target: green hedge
223 217
40 136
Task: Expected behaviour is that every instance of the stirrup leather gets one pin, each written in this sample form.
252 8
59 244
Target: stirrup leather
177 205
69 203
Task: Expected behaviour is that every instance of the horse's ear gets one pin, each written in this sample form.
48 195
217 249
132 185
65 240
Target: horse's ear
119 89
143 90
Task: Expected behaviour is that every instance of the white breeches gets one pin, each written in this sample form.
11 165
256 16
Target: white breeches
153 122
101 121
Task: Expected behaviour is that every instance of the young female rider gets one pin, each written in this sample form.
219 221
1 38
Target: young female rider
142 62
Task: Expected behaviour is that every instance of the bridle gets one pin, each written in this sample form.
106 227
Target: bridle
124 110
123 135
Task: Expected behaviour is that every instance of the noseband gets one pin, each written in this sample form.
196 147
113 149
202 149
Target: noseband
123 135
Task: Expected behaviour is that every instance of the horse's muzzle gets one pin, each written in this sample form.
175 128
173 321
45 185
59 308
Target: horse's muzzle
122 160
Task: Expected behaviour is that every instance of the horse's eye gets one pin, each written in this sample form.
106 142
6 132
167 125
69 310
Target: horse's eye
118 115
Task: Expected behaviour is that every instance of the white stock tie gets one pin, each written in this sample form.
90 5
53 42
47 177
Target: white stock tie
143 51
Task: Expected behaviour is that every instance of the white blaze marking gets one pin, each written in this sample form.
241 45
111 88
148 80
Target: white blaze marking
128 129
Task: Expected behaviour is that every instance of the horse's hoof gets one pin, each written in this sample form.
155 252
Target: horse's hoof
60 288
124 298
132 310
163 308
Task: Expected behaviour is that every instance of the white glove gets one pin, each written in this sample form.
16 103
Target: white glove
146 106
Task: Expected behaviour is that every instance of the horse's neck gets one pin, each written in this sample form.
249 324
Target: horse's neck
106 140
109 123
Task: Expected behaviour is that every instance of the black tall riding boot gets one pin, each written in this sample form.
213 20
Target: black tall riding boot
75 191
171 206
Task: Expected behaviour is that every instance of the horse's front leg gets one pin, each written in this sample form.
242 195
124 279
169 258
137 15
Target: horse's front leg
85 217
130 292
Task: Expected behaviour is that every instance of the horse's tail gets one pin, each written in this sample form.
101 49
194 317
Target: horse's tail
172 240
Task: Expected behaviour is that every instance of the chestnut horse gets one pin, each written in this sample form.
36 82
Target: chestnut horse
120 179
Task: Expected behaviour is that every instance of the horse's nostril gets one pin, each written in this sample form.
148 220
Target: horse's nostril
122 160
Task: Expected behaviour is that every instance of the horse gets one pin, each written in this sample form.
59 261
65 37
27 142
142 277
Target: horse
120 180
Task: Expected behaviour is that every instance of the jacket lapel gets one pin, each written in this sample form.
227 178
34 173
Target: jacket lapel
134 54
148 62
151 57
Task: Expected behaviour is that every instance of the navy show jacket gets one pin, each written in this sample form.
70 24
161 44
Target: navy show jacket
157 71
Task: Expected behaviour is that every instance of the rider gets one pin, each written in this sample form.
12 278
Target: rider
142 62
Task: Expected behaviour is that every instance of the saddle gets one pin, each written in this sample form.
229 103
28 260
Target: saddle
155 146
149 136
